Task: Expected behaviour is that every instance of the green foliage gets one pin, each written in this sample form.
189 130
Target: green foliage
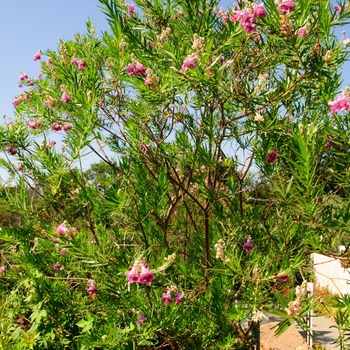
220 170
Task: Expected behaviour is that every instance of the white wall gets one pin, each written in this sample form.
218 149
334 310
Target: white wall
329 273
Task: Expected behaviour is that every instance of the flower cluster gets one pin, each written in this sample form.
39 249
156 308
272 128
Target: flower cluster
272 156
136 68
190 61
140 273
167 297
294 307
286 5
60 127
79 63
247 246
92 287
247 17
64 229
37 56
35 124
341 103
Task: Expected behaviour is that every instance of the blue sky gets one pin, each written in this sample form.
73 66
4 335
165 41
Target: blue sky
29 25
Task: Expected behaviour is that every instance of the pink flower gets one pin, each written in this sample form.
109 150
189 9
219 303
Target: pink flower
247 246
341 103
132 275
74 61
140 69
40 75
223 15
148 81
32 125
302 31
31 83
272 156
23 76
26 97
189 62
130 69
144 148
11 150
140 273
179 296
20 86
20 167
61 229
3 270
64 251
235 17
37 56
54 239
99 186
92 290
56 127
259 11
81 64
131 8
67 127
166 298
16 101
146 276
65 97
246 17
57 266
140 320
286 6
337 8
51 144
249 27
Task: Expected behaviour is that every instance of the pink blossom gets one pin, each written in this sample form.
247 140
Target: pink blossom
11 150
235 17
56 127
246 16
3 270
20 167
337 8
26 97
189 62
131 8
140 273
57 266
16 101
61 229
51 144
259 11
81 64
23 76
64 251
140 69
286 6
65 97
74 61
272 156
166 298
67 127
20 86
341 103
47 103
99 186
132 275
130 69
32 125
223 15
37 56
140 320
54 239
92 290
249 27
179 296
31 83
302 31
40 75
148 81
247 246
146 276
49 61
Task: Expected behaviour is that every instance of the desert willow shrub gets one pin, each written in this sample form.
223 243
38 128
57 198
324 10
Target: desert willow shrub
179 246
